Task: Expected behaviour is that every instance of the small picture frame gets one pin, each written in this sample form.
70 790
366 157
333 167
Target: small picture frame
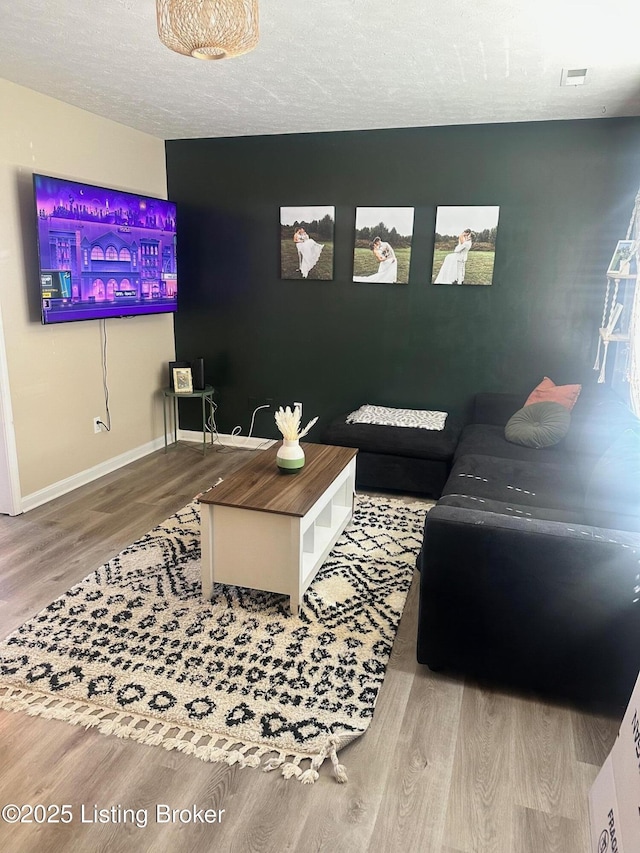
172 365
623 263
182 380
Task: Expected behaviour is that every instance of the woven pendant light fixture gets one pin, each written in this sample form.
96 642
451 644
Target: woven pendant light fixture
208 29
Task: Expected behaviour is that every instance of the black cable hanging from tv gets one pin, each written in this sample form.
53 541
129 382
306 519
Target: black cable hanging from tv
105 384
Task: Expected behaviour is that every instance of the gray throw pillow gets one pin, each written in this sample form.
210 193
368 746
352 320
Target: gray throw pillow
538 425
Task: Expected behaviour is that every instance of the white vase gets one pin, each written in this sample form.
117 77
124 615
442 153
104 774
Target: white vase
290 456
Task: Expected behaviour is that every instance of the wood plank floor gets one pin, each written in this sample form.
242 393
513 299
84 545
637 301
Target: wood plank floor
445 767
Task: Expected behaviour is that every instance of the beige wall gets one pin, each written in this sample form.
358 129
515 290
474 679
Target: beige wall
55 372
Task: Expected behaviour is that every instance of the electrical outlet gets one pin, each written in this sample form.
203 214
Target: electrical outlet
97 424
255 402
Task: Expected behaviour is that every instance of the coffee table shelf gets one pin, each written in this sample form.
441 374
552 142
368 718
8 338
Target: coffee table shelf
334 514
268 531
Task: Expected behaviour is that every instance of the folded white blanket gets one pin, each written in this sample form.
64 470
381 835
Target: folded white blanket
386 416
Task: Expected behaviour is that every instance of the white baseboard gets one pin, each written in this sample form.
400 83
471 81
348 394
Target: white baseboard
241 442
62 487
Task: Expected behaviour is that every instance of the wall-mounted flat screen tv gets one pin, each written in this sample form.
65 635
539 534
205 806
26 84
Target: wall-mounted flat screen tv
103 252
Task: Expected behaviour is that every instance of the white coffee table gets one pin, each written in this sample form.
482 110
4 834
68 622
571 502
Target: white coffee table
270 531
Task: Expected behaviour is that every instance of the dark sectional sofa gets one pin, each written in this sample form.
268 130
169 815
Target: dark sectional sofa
530 565
403 459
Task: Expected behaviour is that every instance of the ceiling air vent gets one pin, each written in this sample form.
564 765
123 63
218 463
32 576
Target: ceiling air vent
573 77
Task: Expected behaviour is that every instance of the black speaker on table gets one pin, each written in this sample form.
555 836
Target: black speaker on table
197 374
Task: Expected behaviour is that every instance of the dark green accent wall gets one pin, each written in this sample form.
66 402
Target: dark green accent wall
565 191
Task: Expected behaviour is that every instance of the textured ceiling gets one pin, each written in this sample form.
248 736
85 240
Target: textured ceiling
332 64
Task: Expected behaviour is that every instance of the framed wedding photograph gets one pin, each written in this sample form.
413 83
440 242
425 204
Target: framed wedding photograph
306 242
465 245
382 245
182 380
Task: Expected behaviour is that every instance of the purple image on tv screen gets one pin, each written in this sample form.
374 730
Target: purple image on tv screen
103 252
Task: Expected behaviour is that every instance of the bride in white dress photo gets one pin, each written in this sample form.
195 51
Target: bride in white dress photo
388 268
453 267
308 251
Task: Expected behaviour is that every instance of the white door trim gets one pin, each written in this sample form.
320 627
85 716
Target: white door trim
10 494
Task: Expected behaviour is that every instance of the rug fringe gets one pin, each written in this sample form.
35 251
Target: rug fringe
292 768
155 733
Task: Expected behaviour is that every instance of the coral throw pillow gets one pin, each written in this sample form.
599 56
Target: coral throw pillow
547 390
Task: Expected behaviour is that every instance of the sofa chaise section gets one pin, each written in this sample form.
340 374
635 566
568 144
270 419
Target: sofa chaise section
523 583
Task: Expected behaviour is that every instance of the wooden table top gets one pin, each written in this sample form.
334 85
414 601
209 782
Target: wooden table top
260 486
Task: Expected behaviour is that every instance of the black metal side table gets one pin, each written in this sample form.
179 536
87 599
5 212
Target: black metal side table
170 396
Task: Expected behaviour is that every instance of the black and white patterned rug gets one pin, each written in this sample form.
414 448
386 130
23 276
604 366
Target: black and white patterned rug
134 650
